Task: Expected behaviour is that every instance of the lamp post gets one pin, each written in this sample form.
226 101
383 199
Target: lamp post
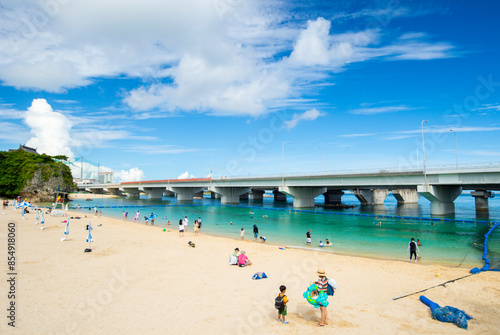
324 159
211 155
456 146
283 161
423 150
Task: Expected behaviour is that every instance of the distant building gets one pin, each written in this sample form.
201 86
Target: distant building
27 149
105 177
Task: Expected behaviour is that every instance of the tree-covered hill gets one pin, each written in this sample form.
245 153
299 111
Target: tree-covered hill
34 176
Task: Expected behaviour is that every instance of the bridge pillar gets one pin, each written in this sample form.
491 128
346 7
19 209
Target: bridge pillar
113 191
257 195
279 197
132 193
371 197
441 197
153 193
185 193
333 197
214 195
303 196
230 195
95 190
406 196
481 197
244 197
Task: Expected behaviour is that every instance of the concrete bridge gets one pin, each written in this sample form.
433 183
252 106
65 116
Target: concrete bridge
440 186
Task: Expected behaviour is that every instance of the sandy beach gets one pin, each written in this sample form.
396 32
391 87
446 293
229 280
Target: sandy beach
139 279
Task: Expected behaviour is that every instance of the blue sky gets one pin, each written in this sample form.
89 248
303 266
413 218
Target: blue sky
160 91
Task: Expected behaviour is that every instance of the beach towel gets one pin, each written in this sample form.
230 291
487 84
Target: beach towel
259 275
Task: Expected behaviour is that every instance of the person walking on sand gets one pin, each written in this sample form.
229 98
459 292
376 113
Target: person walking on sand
280 304
196 227
242 234
255 232
322 283
413 248
181 228
185 223
199 222
308 237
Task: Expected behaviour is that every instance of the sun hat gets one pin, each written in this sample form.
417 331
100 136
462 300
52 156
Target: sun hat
321 272
242 252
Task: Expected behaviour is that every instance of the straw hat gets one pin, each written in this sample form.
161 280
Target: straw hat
321 273
242 252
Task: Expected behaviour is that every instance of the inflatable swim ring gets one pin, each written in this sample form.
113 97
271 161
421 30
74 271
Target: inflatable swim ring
315 296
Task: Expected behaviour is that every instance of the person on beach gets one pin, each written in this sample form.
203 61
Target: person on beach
321 244
196 226
199 222
181 228
413 249
263 239
418 242
322 283
168 223
95 209
235 253
255 232
327 243
136 217
243 259
280 303
185 223
308 237
242 234
152 219
146 220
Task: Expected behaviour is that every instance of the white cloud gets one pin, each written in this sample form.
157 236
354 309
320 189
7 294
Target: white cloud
355 135
51 130
185 175
134 174
219 57
379 110
309 115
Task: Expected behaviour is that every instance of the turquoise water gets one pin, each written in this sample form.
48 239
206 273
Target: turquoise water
456 241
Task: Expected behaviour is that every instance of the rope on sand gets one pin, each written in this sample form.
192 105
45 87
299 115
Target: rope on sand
442 284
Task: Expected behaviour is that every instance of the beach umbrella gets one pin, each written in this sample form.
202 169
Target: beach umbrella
66 231
89 238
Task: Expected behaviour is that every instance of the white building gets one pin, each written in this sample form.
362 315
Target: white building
105 177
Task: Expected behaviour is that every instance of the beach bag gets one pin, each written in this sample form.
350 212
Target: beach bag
259 275
278 302
233 260
331 287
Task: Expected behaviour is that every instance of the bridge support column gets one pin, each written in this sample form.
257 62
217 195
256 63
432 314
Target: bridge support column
303 196
333 197
244 197
279 197
113 191
371 197
481 197
214 195
441 197
257 195
230 195
406 196
185 193
132 193
153 193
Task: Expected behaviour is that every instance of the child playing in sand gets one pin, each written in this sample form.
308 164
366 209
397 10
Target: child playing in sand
280 304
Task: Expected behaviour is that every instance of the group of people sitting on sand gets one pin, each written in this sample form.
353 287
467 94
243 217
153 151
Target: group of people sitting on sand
240 259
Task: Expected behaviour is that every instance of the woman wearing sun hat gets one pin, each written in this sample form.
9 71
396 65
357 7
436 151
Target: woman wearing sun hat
322 283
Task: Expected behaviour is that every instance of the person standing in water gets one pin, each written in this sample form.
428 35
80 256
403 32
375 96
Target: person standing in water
413 249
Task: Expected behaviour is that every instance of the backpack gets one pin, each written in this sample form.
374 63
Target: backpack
278 302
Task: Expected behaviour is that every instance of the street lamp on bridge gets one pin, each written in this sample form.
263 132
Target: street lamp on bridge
283 161
423 150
